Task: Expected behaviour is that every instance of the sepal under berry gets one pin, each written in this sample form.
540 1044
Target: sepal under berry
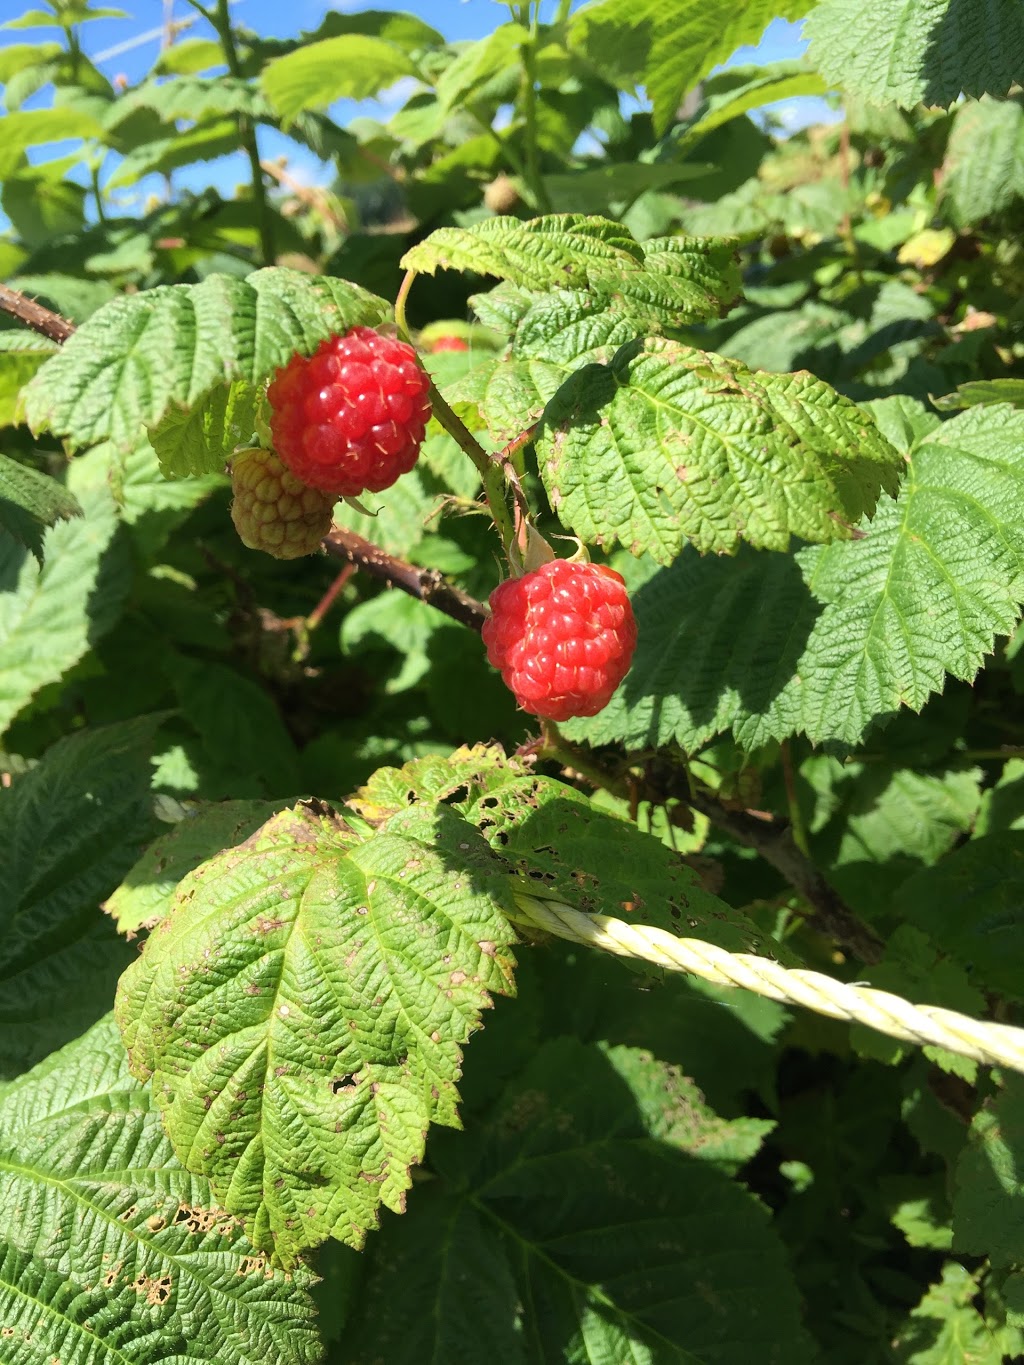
563 637
350 418
274 512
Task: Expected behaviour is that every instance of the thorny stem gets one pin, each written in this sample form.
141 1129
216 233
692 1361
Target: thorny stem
321 609
489 469
773 842
34 315
426 584
221 21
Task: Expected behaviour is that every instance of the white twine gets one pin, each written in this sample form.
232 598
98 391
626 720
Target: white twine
993 1044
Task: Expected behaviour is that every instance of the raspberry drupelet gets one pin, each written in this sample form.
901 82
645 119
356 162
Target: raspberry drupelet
563 637
350 418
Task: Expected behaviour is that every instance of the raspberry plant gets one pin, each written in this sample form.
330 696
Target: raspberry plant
297 1063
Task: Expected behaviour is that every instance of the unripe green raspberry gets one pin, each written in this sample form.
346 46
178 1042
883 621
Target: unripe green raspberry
273 511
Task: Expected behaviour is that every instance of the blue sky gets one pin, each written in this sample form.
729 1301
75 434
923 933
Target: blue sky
128 46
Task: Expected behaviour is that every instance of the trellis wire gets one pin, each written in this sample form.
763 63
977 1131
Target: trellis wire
993 1044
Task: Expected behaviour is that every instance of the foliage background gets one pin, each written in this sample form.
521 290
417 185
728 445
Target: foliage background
649 1170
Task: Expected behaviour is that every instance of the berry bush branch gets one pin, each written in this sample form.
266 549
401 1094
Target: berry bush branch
774 843
427 584
34 315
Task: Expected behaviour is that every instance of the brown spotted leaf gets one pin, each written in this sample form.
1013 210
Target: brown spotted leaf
110 1252
302 1012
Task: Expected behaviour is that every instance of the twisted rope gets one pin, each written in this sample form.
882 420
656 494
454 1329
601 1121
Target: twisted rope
993 1044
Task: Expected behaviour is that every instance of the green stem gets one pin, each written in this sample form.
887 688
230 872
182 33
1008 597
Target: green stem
505 147
221 21
489 470
97 193
796 819
528 105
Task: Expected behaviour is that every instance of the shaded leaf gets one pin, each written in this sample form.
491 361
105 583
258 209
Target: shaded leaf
110 1252
30 501
909 52
70 828
51 614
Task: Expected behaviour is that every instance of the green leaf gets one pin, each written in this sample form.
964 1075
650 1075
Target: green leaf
567 249
50 615
70 828
15 57
838 636
110 1252
978 391
144 358
739 89
350 972
668 444
167 154
191 440
597 189
26 129
150 504
479 63
189 56
191 97
239 723
667 46
909 52
392 621
560 845
969 904
145 895
29 501
612 1242
983 173
988 1200
354 66
42 207
945 1328
674 1111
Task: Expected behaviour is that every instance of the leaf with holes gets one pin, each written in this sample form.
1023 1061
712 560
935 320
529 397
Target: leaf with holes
301 1073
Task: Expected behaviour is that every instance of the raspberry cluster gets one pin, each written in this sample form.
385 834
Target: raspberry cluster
350 418
273 511
563 637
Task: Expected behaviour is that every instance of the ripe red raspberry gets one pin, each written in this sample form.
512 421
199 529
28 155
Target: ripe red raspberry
273 511
449 344
563 637
350 418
